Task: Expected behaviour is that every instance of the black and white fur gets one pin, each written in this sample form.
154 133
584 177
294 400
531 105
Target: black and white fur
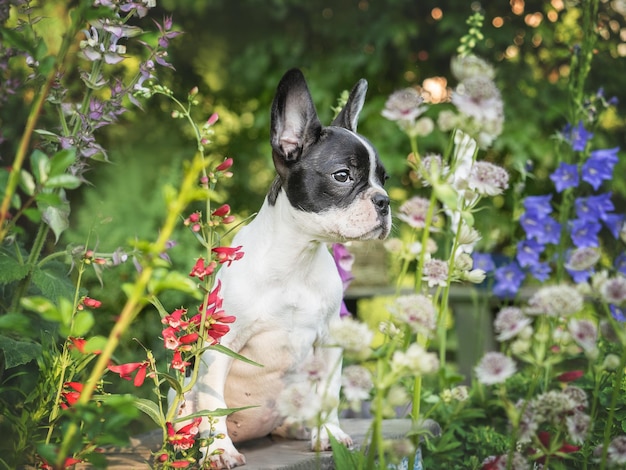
286 289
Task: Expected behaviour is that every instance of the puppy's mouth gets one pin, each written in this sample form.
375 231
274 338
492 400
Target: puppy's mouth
379 232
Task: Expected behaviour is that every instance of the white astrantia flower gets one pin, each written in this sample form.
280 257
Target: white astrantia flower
616 451
356 383
554 301
417 311
584 332
414 361
414 211
436 273
494 368
581 259
468 66
353 336
509 322
300 402
613 290
488 179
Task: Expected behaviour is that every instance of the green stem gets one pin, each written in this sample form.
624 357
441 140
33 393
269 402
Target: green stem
617 389
35 252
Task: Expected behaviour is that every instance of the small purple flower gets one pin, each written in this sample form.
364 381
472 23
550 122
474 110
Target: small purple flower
594 207
580 276
540 271
539 206
483 261
614 222
343 260
599 166
528 252
508 279
577 136
620 263
618 313
565 176
584 233
543 229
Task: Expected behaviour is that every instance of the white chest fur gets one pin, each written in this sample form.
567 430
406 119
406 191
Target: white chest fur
283 293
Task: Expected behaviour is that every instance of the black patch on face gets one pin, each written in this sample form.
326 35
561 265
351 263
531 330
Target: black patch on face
315 181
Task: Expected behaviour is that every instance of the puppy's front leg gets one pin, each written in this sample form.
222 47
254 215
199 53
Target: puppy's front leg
208 394
329 388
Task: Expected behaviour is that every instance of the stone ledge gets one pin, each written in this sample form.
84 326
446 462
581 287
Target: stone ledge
261 454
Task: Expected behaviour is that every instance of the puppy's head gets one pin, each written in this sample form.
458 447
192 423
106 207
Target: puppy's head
331 176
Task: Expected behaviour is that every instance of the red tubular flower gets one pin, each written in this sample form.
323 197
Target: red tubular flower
227 255
200 270
185 437
91 303
71 394
79 344
170 339
570 376
221 211
125 371
178 363
225 165
175 319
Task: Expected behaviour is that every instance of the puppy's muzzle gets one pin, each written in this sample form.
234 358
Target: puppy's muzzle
381 202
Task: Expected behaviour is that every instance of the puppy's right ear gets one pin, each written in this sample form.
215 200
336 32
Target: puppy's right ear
295 124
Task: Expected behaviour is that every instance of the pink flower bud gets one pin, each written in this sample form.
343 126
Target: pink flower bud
221 211
225 165
213 119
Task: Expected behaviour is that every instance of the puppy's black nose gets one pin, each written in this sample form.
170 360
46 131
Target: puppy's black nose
381 201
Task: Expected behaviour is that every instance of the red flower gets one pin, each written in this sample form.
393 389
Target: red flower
125 371
570 376
175 319
70 394
566 448
170 338
200 270
91 303
221 211
225 165
178 363
185 437
215 317
227 254
69 462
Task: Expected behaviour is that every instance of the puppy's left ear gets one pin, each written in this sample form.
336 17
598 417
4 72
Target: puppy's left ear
349 115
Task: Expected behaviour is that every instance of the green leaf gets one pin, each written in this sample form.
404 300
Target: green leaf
48 199
233 354
175 384
151 409
11 269
40 164
15 322
215 413
61 161
63 181
13 38
27 183
83 322
57 218
53 283
95 344
18 352
43 307
344 457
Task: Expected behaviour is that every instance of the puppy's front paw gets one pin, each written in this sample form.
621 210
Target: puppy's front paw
322 442
223 455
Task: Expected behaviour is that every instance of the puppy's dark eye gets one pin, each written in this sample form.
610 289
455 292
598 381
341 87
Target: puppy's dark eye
342 176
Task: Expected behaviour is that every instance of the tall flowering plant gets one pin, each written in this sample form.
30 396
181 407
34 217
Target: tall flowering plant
54 395
551 396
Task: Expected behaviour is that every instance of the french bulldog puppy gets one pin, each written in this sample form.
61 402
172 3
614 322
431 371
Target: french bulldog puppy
286 289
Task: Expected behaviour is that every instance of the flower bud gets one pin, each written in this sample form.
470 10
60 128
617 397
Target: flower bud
611 362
